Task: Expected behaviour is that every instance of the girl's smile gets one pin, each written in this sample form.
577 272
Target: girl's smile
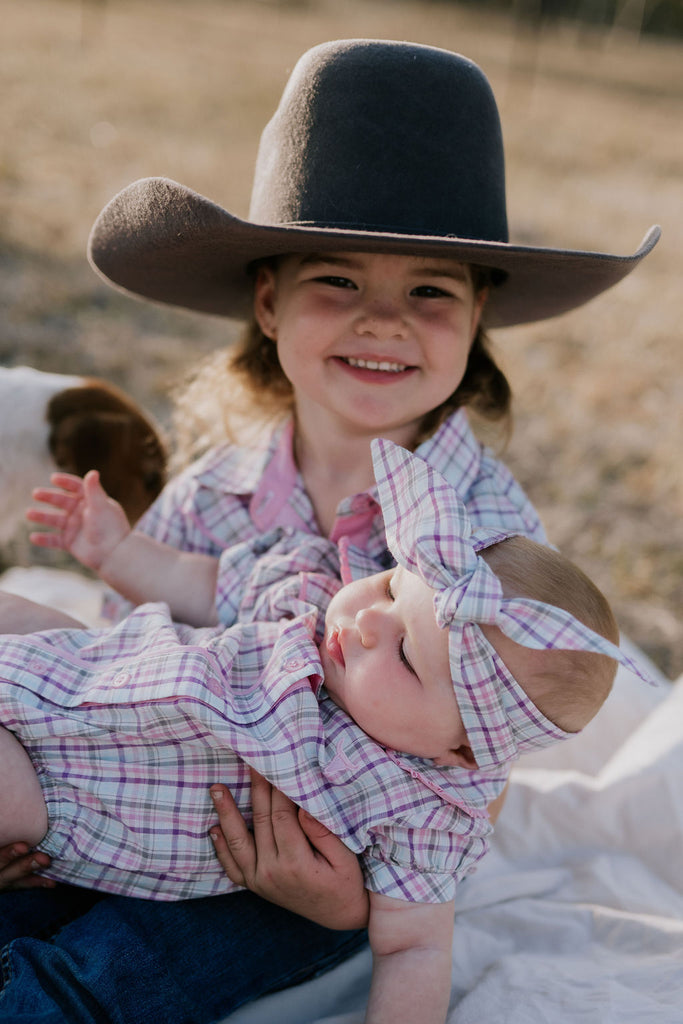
377 370
370 342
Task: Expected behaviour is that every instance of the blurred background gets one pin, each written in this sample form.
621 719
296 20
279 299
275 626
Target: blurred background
97 93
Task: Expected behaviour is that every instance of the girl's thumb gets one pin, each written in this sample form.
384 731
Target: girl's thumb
314 829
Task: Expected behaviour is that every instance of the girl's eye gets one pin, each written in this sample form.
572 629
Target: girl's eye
335 281
390 593
430 291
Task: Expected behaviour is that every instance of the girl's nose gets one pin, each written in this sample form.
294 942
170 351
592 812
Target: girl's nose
382 319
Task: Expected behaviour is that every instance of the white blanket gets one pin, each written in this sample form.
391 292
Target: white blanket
576 914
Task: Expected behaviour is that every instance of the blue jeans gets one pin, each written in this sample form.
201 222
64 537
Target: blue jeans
70 955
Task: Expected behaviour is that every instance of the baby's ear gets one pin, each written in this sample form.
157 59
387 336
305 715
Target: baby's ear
460 757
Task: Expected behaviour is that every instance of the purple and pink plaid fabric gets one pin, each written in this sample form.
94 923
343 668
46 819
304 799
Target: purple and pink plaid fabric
235 495
430 533
129 727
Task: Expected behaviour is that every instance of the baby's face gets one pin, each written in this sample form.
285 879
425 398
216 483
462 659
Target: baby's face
386 663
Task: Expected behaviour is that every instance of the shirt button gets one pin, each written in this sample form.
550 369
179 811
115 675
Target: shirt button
36 665
121 679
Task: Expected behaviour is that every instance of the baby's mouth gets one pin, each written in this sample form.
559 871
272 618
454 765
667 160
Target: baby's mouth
334 647
371 364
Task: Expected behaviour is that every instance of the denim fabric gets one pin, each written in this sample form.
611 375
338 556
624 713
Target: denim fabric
127 960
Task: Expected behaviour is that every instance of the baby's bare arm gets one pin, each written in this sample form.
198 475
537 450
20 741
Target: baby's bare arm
411 961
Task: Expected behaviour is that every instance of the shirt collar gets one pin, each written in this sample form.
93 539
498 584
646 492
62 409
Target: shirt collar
239 469
454 452
267 475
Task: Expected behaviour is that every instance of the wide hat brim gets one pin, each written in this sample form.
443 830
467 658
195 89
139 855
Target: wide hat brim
160 240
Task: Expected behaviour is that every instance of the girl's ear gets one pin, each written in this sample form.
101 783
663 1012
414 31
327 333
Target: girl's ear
460 757
480 298
264 301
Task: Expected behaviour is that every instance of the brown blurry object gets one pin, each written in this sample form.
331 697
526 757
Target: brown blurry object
52 421
97 426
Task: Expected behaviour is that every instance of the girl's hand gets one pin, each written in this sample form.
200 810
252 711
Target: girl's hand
83 519
17 867
290 859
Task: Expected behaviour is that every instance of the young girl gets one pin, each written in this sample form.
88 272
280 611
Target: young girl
377 244
125 727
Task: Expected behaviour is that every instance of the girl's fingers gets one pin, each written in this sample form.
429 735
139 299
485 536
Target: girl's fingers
18 866
8 854
67 482
46 540
233 842
262 815
57 499
46 517
290 839
328 845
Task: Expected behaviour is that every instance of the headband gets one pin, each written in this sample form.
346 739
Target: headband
429 533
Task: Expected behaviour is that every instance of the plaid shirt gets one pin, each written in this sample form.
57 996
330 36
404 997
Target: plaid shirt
129 727
236 494
150 711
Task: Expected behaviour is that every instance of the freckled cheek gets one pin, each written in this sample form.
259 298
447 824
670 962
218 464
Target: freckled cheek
446 346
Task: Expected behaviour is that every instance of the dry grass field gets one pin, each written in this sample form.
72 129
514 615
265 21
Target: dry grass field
96 94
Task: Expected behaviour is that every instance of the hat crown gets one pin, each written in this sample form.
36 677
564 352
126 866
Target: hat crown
384 136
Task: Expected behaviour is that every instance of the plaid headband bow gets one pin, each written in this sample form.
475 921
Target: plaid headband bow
429 533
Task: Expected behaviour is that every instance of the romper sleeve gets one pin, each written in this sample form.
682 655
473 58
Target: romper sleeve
422 865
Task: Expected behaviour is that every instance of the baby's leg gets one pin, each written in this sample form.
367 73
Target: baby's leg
23 813
20 615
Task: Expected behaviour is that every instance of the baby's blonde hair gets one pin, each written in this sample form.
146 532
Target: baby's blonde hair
568 687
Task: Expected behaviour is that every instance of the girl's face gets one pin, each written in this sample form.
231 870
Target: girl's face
370 342
385 662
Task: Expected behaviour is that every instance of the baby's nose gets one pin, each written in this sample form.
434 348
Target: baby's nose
368 623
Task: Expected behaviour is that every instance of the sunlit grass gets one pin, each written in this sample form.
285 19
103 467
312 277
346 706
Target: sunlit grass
98 94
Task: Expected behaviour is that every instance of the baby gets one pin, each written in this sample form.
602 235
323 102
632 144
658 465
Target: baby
393 720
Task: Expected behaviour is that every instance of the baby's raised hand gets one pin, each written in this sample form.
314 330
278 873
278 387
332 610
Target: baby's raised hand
82 519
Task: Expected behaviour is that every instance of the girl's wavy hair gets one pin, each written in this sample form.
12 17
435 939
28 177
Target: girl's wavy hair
243 389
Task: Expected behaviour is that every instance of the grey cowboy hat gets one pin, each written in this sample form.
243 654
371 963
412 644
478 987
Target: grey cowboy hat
376 146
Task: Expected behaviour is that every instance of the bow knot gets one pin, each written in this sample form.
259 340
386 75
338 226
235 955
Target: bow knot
475 596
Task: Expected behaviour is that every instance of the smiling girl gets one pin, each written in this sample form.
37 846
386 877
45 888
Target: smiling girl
376 248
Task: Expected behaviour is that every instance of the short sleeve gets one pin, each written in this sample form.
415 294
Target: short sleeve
419 865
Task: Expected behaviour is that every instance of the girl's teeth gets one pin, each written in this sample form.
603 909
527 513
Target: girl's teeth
370 364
